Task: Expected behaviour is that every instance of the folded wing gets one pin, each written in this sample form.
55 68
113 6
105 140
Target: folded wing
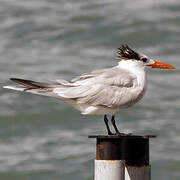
105 87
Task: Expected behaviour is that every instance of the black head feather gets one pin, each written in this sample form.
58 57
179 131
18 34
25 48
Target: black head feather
125 52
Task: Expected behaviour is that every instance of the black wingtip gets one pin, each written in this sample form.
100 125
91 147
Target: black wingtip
30 84
25 82
14 79
18 80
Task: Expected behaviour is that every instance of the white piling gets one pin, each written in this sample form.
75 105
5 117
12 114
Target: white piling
109 170
138 173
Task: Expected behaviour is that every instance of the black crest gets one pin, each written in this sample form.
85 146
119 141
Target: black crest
125 52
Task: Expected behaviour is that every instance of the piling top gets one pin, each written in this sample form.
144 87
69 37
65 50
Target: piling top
132 148
126 136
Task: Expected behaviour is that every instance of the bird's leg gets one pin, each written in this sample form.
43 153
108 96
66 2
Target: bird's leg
107 125
114 125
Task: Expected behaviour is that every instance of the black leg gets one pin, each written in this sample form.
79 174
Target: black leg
114 125
107 125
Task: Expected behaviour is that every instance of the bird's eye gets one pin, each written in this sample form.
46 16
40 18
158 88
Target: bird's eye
144 59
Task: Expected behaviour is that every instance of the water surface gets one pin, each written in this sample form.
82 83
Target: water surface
43 138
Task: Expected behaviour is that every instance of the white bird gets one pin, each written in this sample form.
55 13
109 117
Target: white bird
103 91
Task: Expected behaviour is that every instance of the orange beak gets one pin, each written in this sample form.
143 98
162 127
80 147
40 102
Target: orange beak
161 65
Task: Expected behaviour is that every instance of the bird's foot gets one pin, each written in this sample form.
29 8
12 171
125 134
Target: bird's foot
110 133
117 133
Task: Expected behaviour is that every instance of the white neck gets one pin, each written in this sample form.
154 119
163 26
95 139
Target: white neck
132 65
136 68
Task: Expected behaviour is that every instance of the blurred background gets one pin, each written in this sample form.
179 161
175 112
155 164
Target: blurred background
43 138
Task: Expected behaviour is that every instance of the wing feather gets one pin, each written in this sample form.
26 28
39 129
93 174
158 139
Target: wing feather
105 87
106 96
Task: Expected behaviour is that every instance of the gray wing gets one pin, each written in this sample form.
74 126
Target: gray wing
90 75
105 87
109 76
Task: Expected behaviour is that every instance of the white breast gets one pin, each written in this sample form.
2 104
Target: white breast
138 90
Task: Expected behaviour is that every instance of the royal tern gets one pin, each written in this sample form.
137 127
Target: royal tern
103 91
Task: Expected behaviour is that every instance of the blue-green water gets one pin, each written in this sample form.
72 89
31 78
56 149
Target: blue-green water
43 138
